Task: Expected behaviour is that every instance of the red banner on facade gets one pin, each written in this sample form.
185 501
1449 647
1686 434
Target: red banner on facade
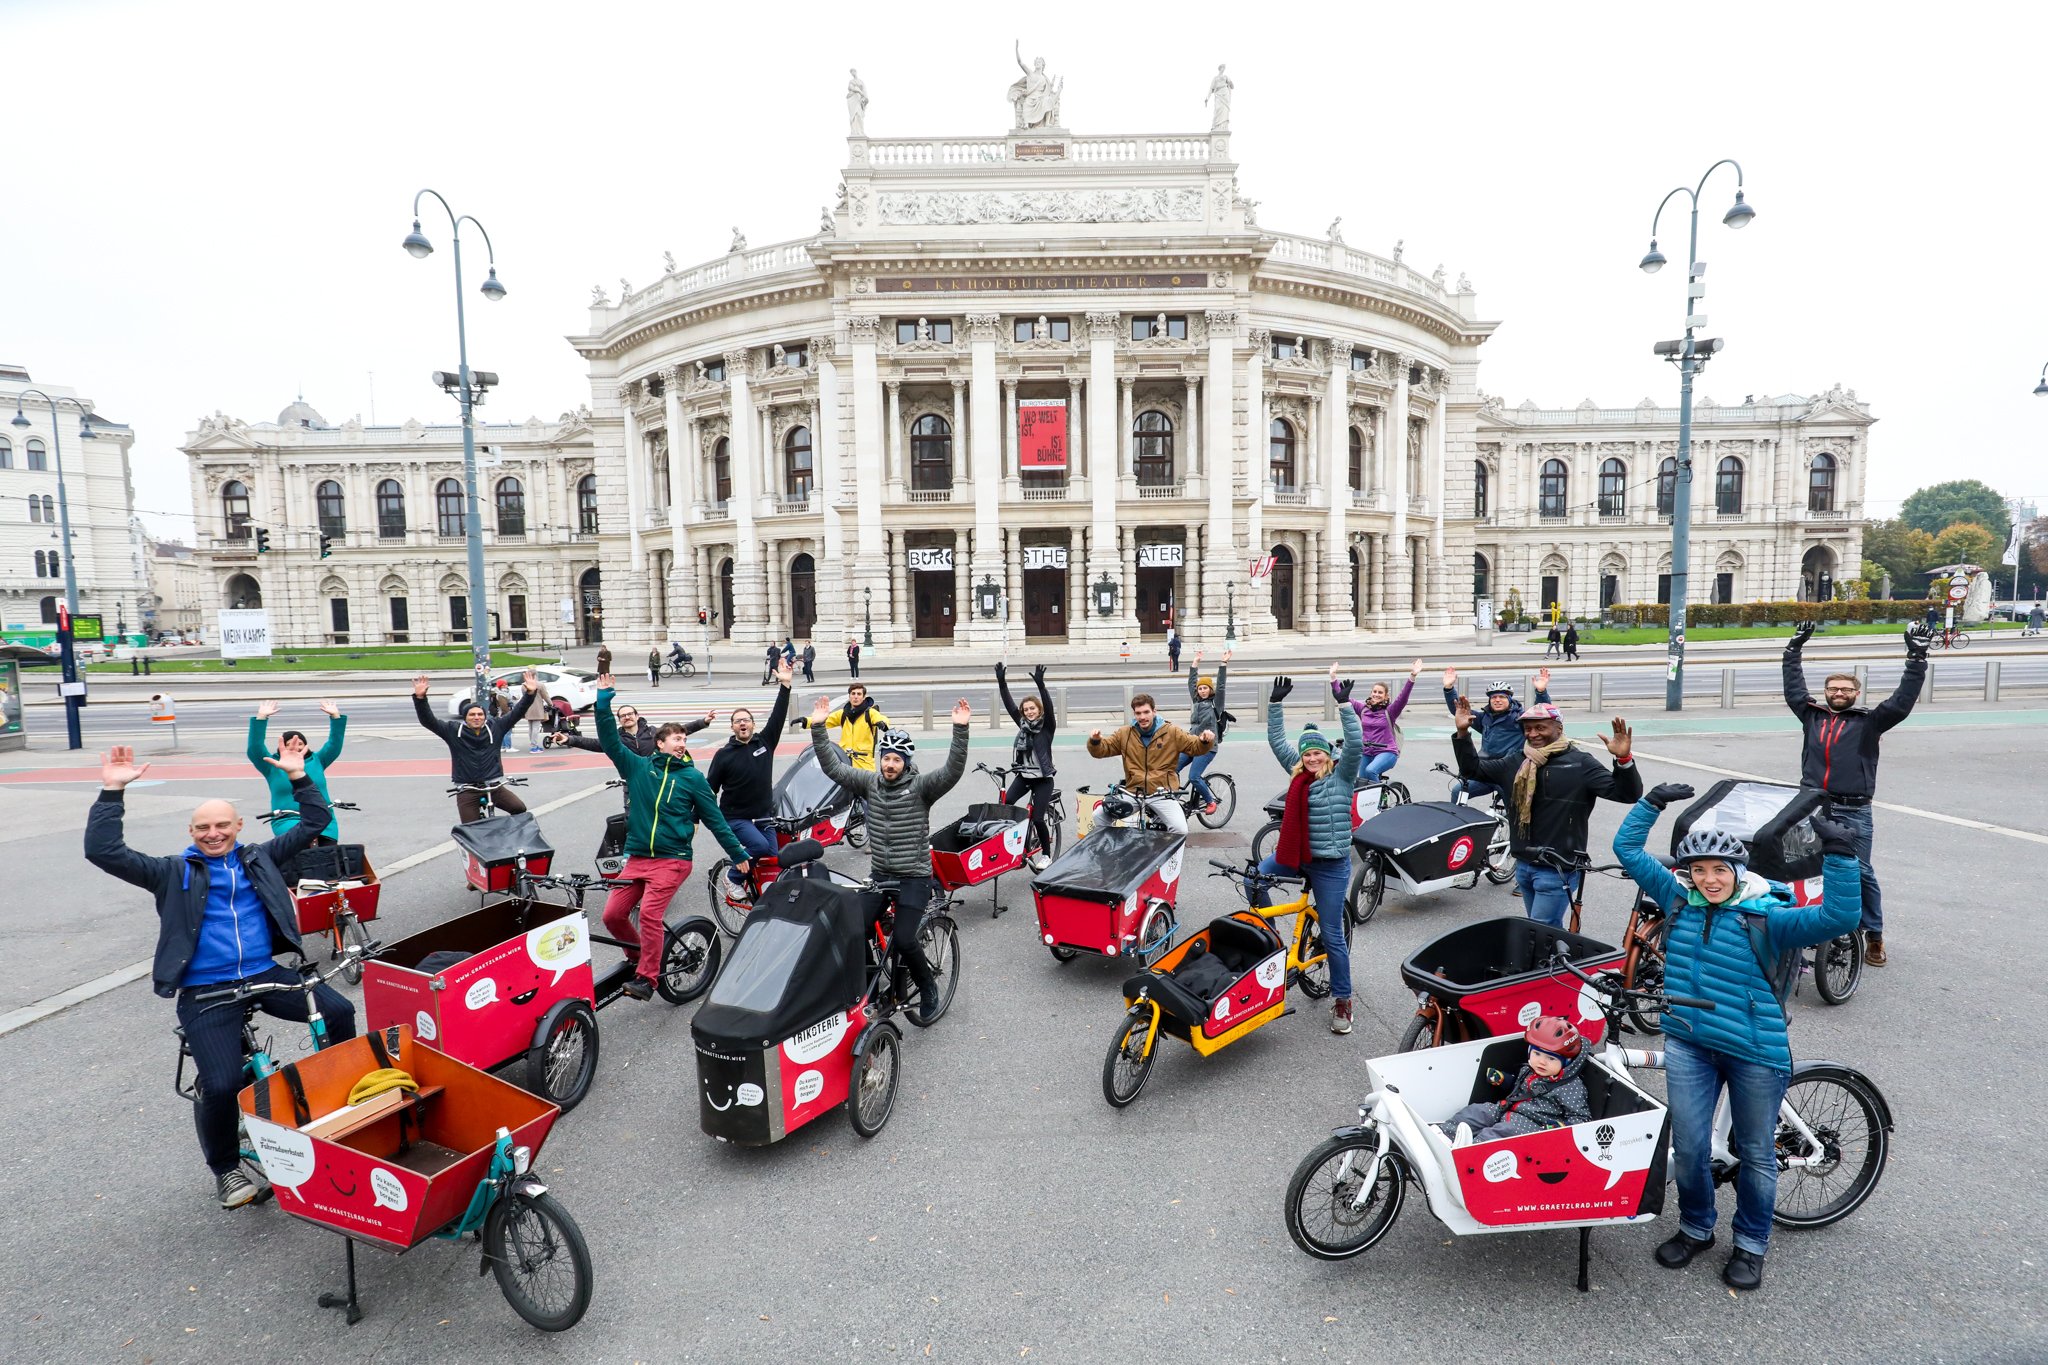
1041 433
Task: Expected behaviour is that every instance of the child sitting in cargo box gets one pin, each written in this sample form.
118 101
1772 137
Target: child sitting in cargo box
1547 1092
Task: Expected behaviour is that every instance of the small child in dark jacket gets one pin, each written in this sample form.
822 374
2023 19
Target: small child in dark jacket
1547 1093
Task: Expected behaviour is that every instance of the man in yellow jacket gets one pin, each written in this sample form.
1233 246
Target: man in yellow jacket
856 725
1151 750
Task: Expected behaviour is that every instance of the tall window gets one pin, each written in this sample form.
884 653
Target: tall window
515 614
42 564
796 462
714 369
328 506
49 611
721 470
35 508
1145 326
1357 460
234 504
909 329
49 509
1056 329
1728 487
390 510
1152 446
458 612
931 453
36 458
1482 576
6 453
1667 485
1280 453
1550 490
586 503
448 508
1613 488
1820 484
510 500
401 618
1479 488
337 617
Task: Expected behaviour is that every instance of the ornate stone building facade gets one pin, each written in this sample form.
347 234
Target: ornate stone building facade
1574 505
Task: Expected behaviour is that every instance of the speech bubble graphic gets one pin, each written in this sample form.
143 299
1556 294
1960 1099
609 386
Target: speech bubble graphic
285 1154
1169 872
1528 1014
750 1094
481 993
1013 839
423 1024
974 861
1589 1003
386 1190
559 945
816 1042
809 1085
1272 971
1500 1166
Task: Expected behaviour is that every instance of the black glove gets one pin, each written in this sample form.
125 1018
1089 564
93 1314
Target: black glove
1918 641
1038 675
1801 633
1342 689
1281 687
1001 671
1664 793
1835 839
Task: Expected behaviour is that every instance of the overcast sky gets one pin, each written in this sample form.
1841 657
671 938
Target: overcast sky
204 201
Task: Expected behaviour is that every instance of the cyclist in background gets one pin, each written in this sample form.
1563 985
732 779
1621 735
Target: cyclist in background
1379 718
474 759
858 722
1499 723
1207 714
1151 749
742 772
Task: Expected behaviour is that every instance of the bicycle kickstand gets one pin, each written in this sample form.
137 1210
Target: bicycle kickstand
348 1300
1585 1254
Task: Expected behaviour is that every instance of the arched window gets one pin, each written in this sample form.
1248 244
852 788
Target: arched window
721 471
1482 576
49 509
510 499
1613 488
1550 489
1479 488
6 453
1728 487
1820 484
329 508
1667 485
390 510
234 505
35 508
36 457
49 611
586 504
1152 449
42 564
1357 460
796 462
448 508
931 453
1280 453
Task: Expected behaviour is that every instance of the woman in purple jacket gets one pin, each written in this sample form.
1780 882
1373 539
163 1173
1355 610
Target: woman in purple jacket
1378 715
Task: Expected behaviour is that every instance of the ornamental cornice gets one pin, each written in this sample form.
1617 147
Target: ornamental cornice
822 347
983 326
1261 340
671 377
737 361
863 328
1340 355
1360 295
1220 319
1103 324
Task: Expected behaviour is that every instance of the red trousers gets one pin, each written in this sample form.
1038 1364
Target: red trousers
651 883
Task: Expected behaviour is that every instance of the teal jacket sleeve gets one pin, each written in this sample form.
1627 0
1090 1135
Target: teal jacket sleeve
259 745
711 817
331 750
1643 869
608 734
1276 738
1839 911
1354 742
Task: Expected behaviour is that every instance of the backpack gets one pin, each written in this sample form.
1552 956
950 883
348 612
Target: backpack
1782 971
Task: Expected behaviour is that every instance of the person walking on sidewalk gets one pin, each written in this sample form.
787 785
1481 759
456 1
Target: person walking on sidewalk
474 759
1839 755
654 668
768 662
1379 719
1207 714
1553 642
852 657
1172 650
1571 641
810 660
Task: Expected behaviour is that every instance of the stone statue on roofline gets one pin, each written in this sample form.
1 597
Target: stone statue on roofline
1219 101
856 104
1034 95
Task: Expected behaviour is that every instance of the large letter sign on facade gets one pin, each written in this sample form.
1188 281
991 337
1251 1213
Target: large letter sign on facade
245 634
1041 433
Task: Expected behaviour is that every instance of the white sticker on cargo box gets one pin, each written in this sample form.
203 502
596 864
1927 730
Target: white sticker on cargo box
423 1025
387 1191
559 945
750 1094
1500 1166
285 1154
816 1042
481 993
809 1085
1170 873
1528 1014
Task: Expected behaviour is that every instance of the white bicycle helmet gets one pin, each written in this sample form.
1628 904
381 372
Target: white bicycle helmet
1500 685
896 742
1711 843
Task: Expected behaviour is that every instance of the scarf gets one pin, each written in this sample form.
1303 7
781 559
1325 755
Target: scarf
1293 848
1525 776
1023 749
849 713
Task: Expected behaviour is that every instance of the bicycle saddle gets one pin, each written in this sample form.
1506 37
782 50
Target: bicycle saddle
802 851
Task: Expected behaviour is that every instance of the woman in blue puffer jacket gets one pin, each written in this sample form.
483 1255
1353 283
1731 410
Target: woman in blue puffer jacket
1724 923
1315 831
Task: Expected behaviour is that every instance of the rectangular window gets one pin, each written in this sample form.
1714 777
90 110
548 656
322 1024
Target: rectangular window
1549 593
1610 590
923 329
515 609
796 357
458 612
1145 328
1056 329
1664 589
401 620
1724 588
1361 359
714 370
337 618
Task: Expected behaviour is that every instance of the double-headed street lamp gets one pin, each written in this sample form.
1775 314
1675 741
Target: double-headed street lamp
1689 355
66 653
468 386
2041 389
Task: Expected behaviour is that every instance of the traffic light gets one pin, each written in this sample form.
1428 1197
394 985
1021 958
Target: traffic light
326 545
262 541
703 619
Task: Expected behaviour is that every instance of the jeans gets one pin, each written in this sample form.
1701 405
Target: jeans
1546 893
469 805
1194 767
1378 765
1328 880
650 884
913 897
1041 801
1858 819
1478 791
1693 1079
1165 808
215 1037
757 841
853 665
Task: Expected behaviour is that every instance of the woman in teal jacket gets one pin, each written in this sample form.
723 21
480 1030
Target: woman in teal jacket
1724 923
1315 830
294 741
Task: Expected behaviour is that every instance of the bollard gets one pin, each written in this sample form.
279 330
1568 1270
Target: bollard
1329 704
1862 672
1127 703
927 709
1593 690
1991 668
995 712
1529 688
145 666
1727 689
1059 706
1927 688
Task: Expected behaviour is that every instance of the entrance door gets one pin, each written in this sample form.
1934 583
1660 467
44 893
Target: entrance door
591 595
1283 587
934 594
725 600
1155 600
803 596
1045 602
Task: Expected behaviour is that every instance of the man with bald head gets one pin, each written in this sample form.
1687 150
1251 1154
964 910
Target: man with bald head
223 914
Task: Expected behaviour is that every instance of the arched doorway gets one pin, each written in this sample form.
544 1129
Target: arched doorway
1357 582
1283 587
590 602
803 596
725 599
1817 575
242 593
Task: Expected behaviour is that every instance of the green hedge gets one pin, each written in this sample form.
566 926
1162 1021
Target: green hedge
1772 613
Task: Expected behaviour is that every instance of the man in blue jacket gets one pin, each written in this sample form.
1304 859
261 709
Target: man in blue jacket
1724 923
1499 724
223 915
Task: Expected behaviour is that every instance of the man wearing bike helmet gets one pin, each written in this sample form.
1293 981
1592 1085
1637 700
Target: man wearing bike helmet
1499 723
899 801
742 772
473 755
223 914
1840 755
1551 788
1724 923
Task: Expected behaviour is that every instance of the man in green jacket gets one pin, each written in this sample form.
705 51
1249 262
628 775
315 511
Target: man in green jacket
665 798
294 742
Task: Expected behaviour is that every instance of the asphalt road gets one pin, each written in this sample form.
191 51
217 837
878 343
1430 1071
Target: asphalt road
1006 1212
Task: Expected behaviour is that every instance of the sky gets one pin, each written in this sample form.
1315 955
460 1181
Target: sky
205 200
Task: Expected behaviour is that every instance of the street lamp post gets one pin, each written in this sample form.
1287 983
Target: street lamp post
1689 355
867 618
1230 613
67 653
2041 389
420 248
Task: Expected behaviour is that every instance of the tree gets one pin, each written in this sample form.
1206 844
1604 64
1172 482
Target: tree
1936 508
1968 543
1893 547
2036 540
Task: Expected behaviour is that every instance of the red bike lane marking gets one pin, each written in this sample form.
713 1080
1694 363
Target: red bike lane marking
209 771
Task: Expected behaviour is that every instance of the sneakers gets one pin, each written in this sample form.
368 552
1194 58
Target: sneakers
1677 1253
640 988
533 749
1340 1017
1463 1137
1745 1270
1873 950
236 1189
1209 808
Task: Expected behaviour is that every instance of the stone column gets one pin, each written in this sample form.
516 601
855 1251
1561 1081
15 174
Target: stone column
1376 579
963 586
1337 445
1439 577
748 604
1126 448
682 450
1190 437
898 479
1219 464
1013 577
635 598
1077 583
1010 457
1401 566
1077 446
834 614
899 586
1258 605
988 467
1102 469
870 562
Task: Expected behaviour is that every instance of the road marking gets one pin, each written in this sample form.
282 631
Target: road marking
37 1010
1934 815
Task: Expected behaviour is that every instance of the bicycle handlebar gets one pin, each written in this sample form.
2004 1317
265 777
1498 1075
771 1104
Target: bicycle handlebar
492 785
1617 992
309 977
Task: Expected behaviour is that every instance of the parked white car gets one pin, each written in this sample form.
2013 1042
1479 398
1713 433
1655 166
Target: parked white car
576 686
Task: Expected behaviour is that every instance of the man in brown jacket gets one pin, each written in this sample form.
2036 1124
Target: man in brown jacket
1151 750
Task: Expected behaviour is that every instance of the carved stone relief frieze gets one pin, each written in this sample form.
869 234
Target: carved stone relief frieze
945 207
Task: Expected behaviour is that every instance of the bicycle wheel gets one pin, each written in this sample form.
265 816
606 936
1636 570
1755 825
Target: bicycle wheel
1053 832
1500 857
354 935
1838 968
1393 794
540 1259
1062 953
560 1067
1650 977
730 901
1368 888
1128 1064
1420 1033
873 1093
1224 792
1847 1119
1962 641
1155 935
1331 1214
1263 840
690 954
688 670
1314 979
939 936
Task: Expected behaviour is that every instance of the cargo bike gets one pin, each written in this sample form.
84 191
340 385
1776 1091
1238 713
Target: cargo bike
808 805
990 839
1489 979
514 980
1111 894
1421 847
335 892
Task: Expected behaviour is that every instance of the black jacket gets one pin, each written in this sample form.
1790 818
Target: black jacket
473 756
179 882
640 739
1566 788
743 775
1040 743
1840 757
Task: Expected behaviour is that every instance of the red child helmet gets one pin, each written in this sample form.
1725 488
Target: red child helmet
1554 1034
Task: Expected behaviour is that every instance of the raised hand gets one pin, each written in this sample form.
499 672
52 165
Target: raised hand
1038 675
784 674
1462 717
532 681
711 715
1450 677
117 767
1415 670
1918 639
1343 689
265 710
963 714
820 709
1226 656
1095 736
291 764
1837 839
333 711
1802 632
1198 660
1002 670
1542 680
1333 670
1282 685
1622 742
607 683
419 686
1664 793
